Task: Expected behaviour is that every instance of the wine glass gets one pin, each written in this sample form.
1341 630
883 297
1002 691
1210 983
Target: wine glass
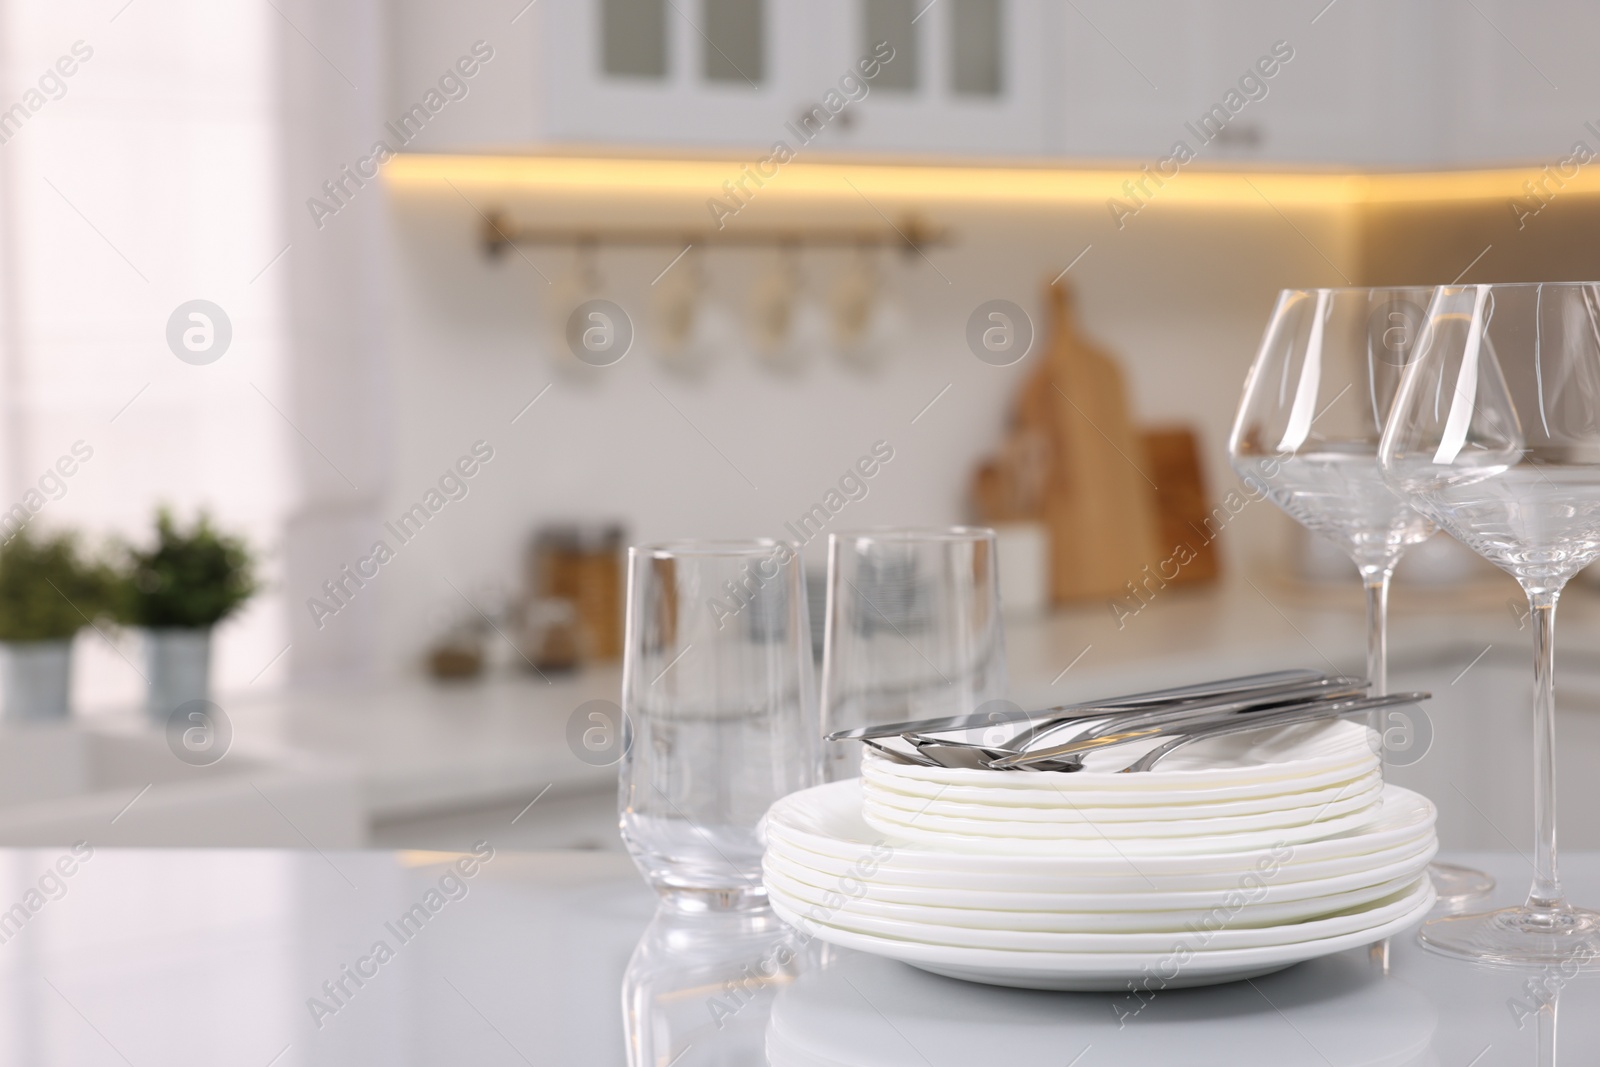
1307 434
1495 435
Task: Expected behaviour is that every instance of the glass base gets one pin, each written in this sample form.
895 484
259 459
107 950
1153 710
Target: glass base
695 899
1458 886
1519 936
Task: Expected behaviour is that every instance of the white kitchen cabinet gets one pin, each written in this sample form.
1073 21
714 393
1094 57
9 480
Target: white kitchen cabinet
1518 82
707 90
1420 84
965 77
1120 79
1242 81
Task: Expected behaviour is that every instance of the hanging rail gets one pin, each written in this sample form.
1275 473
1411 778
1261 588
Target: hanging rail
910 235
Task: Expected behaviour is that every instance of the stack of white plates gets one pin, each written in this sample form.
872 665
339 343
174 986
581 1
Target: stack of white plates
1236 857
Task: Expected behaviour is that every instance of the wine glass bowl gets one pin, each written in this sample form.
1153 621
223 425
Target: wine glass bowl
1313 413
1307 435
1495 436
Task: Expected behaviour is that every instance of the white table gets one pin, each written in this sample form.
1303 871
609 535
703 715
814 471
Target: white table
168 958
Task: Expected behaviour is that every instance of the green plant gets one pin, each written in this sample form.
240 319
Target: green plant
190 579
49 589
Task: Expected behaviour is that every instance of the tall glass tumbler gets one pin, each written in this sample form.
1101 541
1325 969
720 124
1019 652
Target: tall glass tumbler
913 631
719 699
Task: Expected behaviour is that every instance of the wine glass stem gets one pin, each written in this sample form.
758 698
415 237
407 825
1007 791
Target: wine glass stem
1376 581
1546 891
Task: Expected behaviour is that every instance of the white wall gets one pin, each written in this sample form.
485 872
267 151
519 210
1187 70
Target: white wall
1179 295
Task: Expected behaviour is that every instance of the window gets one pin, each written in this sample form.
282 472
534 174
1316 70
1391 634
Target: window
893 21
633 36
975 35
735 49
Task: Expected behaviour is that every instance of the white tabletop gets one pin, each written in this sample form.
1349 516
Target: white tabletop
220 957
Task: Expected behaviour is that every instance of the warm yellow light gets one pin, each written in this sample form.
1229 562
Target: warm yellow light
697 179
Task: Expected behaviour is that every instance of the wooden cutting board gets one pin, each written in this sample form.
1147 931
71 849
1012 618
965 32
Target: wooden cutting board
1100 505
1183 516
1117 502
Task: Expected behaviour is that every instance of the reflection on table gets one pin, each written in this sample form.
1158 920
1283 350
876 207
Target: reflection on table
724 990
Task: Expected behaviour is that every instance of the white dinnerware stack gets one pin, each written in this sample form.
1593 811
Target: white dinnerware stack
1236 856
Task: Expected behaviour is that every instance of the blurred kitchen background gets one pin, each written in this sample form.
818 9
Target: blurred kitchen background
322 272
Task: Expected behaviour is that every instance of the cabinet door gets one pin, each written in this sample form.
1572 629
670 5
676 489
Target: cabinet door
1360 90
965 76
1244 81
1517 89
491 108
684 73
1121 79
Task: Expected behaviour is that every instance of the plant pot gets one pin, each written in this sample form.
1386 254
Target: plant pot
179 668
38 680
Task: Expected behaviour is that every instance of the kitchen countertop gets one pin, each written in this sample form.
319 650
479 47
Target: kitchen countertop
210 957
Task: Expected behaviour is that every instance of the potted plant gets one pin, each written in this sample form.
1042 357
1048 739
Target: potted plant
177 591
48 591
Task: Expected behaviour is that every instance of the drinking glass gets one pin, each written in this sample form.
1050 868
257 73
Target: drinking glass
1495 435
699 987
913 631
719 703
1307 433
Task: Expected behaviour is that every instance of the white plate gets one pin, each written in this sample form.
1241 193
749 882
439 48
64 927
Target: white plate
1220 935
1045 788
1075 897
898 872
1241 916
1285 757
1093 840
1063 822
1175 967
827 819
966 802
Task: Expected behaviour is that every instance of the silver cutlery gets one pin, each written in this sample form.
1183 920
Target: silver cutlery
1241 687
1190 730
1323 688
